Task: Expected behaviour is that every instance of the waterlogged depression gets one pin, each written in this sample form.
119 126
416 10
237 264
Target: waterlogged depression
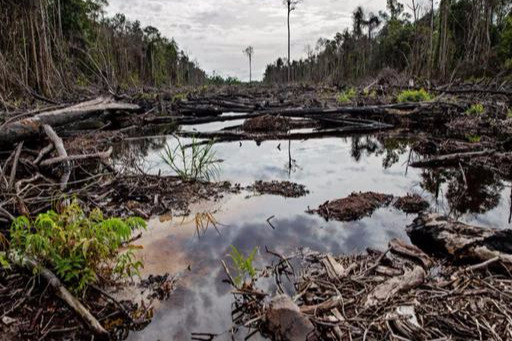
330 168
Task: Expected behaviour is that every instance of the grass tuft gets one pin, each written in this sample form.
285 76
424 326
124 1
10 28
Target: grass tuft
193 162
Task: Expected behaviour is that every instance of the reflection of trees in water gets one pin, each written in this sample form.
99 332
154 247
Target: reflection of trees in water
131 155
469 189
390 148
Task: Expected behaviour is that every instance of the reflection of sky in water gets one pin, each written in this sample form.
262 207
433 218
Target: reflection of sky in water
328 169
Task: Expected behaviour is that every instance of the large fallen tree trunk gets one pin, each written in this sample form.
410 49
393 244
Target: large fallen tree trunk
30 127
226 135
442 236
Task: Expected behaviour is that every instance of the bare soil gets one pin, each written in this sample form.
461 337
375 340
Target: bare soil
285 189
354 207
411 203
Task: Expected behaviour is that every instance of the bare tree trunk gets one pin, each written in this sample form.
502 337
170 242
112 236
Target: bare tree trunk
431 50
289 61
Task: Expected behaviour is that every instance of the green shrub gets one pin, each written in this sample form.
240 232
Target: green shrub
79 248
475 109
243 265
346 96
195 161
414 96
509 113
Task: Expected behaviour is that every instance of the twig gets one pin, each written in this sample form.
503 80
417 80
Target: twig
14 167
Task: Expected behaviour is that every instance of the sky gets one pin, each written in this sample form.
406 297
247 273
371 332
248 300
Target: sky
215 32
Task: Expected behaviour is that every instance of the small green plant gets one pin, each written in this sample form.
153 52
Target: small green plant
80 248
414 96
4 245
372 94
243 265
192 162
475 109
179 97
473 138
509 113
346 96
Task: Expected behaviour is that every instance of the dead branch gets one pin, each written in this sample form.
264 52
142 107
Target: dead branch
63 159
30 127
64 294
14 167
450 159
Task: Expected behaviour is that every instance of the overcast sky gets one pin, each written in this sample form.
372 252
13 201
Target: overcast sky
214 32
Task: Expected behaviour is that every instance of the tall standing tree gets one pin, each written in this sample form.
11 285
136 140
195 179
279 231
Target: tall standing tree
249 51
291 5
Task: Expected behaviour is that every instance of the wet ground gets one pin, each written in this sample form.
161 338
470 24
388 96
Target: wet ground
330 168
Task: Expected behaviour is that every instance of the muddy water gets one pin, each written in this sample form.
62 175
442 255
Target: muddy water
330 168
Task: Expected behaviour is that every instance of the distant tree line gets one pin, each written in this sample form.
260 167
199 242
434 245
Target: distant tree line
49 47
460 37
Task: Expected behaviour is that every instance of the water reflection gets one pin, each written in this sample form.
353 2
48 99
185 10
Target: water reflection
468 190
330 168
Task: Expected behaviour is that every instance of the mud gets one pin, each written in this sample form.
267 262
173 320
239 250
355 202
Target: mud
354 207
285 189
411 203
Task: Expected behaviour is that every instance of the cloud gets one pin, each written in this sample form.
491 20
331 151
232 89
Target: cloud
214 32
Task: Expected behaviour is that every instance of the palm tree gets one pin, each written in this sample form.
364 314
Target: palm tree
291 5
249 51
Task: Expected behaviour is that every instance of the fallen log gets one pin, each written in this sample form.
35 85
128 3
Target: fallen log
61 151
225 135
63 294
450 159
363 110
30 127
63 159
445 237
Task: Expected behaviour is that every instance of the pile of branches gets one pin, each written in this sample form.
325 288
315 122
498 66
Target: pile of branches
401 293
29 311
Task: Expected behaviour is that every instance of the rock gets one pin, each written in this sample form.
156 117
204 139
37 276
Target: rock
285 322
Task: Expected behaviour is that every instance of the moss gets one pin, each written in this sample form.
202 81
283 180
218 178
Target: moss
414 96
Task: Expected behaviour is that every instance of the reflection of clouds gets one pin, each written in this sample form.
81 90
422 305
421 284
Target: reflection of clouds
204 304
